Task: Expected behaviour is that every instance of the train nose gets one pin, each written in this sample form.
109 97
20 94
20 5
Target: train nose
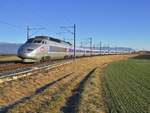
25 52
28 51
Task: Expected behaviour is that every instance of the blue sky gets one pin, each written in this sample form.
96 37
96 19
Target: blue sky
114 22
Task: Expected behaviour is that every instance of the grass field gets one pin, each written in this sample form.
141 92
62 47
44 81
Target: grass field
127 85
91 100
5 58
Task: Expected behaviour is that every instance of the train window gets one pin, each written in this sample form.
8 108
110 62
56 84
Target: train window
44 42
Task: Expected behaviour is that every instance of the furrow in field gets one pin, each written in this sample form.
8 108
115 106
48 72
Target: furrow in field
124 90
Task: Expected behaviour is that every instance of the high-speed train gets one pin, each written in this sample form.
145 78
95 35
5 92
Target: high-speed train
41 48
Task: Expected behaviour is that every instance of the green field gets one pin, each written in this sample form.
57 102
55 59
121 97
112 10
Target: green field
127 86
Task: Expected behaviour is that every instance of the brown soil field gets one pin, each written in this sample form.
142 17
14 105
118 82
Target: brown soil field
49 91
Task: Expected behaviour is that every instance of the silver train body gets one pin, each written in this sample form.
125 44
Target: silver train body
47 48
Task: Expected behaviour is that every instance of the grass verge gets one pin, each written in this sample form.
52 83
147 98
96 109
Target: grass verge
35 102
91 100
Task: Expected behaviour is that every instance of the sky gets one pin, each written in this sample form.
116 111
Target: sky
124 23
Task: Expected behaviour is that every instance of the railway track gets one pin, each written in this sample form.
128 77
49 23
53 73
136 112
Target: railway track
6 67
14 71
10 71
10 68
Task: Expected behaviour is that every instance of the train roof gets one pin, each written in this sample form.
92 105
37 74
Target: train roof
52 39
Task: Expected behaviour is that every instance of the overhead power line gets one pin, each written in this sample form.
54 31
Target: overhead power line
12 25
29 29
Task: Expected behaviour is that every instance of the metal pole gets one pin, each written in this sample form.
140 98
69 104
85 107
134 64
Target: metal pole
100 47
115 49
81 44
74 41
108 49
91 44
28 32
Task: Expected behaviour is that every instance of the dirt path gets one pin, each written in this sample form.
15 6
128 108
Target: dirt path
14 91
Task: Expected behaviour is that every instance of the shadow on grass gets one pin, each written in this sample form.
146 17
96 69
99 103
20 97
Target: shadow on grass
142 57
10 62
38 91
73 100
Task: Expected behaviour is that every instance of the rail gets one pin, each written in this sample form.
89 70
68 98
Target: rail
31 71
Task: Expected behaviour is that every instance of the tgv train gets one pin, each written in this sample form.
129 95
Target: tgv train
41 48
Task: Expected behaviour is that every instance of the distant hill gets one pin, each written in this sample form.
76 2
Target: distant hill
9 48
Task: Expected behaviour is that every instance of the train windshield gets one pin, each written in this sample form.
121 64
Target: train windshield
37 41
34 41
29 40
